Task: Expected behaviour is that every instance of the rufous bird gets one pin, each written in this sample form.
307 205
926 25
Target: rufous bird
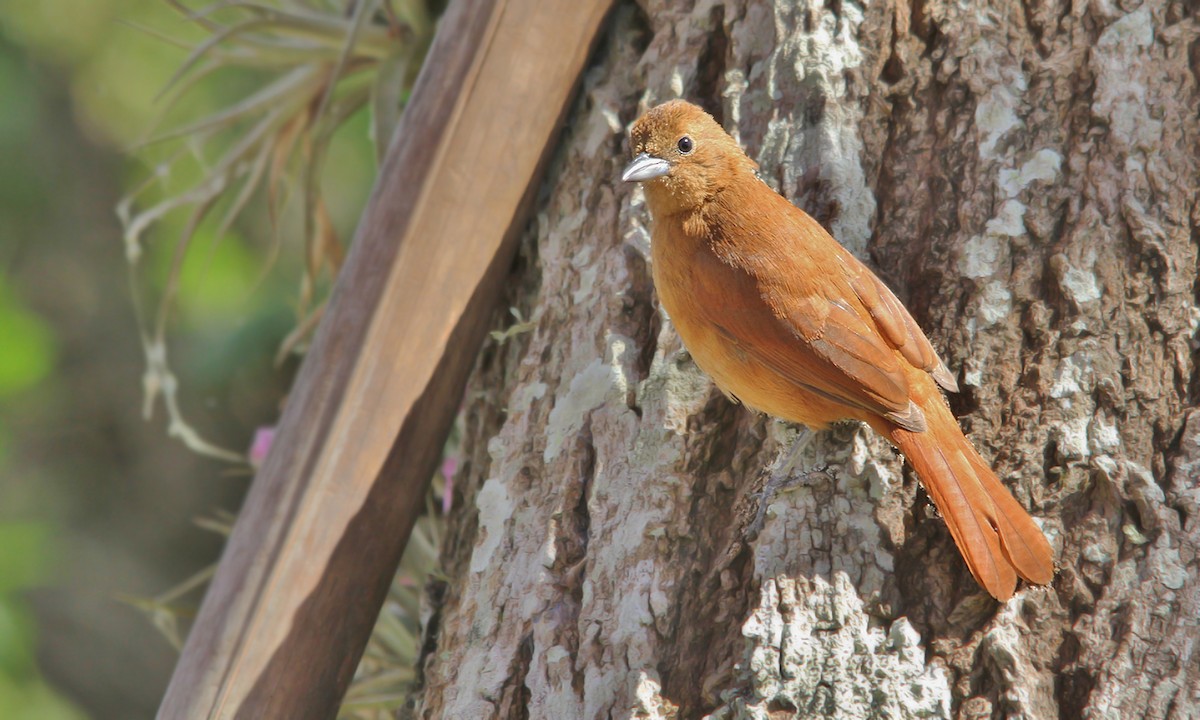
786 320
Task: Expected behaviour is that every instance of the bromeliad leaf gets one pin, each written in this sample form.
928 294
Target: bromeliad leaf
308 66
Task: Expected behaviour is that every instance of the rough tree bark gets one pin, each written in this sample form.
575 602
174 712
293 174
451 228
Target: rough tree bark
1024 174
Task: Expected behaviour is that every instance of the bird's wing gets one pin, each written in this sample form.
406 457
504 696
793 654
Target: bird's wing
814 340
893 320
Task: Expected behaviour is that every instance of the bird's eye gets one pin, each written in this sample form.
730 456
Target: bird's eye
685 144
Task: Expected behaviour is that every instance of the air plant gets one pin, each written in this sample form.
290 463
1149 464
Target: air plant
323 61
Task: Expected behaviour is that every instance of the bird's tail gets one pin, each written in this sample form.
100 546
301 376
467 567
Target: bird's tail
993 532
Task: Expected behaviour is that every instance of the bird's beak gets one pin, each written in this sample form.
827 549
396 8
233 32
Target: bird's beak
645 167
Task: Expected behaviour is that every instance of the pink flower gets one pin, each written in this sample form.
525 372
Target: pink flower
449 467
263 437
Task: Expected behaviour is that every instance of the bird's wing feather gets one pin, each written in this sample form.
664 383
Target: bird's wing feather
893 320
821 345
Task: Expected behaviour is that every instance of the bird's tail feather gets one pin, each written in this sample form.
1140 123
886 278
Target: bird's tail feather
996 537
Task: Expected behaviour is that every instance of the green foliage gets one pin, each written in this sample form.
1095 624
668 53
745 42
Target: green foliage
28 357
220 282
28 354
24 555
44 27
24 558
33 700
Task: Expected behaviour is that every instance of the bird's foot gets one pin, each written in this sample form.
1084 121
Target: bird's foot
775 484
782 479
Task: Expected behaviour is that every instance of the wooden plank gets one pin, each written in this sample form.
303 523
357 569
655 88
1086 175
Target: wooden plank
325 522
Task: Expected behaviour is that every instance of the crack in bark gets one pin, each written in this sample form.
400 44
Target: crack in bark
710 66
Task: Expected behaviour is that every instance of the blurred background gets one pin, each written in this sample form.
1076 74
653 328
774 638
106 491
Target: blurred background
98 505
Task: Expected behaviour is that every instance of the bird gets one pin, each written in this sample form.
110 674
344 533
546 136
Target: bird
790 323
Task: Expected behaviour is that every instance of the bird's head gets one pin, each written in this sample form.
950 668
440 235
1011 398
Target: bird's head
683 157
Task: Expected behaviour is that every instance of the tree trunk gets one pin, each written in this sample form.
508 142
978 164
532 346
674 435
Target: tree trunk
1024 175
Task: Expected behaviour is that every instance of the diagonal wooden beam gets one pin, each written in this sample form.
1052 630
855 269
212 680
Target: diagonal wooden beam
325 522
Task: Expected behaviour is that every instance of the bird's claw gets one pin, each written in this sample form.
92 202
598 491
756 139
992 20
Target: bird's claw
776 483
